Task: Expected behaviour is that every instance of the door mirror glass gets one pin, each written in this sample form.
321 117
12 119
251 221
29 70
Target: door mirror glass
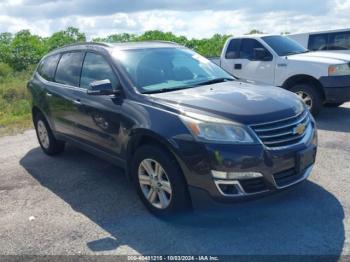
261 54
102 87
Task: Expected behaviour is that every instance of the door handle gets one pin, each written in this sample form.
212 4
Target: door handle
48 94
238 66
77 102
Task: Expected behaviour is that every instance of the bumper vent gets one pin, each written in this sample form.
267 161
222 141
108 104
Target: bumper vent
286 177
283 132
253 185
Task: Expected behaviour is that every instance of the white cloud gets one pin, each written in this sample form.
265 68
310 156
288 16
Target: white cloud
200 19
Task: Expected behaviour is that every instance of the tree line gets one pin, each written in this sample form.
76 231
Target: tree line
20 50
23 49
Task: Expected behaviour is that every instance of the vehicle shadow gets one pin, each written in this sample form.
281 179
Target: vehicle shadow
334 119
306 220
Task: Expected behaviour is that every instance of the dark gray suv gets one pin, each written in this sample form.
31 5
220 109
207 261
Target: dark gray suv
180 126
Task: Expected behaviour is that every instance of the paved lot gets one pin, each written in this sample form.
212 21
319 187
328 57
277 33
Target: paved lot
76 203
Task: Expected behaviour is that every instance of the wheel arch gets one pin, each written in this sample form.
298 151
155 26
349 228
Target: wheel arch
146 137
304 79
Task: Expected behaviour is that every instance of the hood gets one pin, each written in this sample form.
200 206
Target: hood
328 57
236 101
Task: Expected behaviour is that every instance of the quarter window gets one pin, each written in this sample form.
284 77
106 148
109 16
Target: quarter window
95 68
48 66
339 41
69 67
318 42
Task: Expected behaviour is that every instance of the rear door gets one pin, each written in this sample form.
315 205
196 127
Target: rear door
61 92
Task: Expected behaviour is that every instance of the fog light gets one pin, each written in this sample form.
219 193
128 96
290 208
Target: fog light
235 175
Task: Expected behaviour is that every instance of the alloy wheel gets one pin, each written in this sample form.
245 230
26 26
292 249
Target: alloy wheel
43 134
155 184
306 98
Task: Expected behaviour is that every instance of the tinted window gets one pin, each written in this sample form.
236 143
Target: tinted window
68 69
233 49
95 67
247 48
339 41
47 67
318 42
283 45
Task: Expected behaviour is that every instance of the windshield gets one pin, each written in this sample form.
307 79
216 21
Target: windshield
283 45
155 70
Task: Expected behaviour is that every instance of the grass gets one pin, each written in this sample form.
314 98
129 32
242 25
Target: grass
15 112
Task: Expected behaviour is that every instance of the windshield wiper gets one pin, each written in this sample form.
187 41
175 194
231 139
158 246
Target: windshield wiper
214 81
163 90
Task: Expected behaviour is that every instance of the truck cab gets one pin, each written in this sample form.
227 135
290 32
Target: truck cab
318 78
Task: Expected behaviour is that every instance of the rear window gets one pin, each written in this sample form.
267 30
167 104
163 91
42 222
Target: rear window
47 67
69 67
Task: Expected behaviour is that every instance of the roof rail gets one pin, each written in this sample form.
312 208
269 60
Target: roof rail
87 43
161 41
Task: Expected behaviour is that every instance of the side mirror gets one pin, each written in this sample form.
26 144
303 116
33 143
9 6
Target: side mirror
261 54
102 87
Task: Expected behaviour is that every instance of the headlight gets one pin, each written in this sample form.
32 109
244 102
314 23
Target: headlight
339 70
211 129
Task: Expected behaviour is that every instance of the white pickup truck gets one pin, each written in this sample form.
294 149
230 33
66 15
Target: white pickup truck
317 77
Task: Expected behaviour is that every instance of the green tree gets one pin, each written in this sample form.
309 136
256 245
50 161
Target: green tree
254 32
26 49
124 37
61 38
5 47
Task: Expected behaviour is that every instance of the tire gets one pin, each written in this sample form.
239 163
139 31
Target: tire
311 94
178 200
48 143
333 104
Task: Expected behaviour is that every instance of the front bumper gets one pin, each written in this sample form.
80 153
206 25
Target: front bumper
336 88
280 168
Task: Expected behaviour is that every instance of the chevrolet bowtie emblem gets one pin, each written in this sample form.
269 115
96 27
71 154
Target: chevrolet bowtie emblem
299 129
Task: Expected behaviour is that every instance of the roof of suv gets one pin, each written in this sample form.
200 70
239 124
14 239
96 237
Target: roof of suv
109 46
122 45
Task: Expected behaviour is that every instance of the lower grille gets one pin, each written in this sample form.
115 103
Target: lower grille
253 185
283 132
287 177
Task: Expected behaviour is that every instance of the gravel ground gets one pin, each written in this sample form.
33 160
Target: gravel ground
78 204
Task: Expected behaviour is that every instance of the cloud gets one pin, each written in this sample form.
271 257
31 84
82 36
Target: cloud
195 18
39 9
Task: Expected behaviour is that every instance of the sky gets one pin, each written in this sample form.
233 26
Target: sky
191 18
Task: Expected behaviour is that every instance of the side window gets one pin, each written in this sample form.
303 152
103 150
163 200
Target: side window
95 67
339 41
232 50
69 67
247 49
48 66
318 42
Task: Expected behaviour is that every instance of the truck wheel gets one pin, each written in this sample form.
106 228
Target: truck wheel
159 181
333 104
48 143
310 96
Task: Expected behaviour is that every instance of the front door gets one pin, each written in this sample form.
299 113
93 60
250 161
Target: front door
98 123
257 69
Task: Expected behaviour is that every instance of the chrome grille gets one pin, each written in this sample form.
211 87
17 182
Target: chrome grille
283 132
